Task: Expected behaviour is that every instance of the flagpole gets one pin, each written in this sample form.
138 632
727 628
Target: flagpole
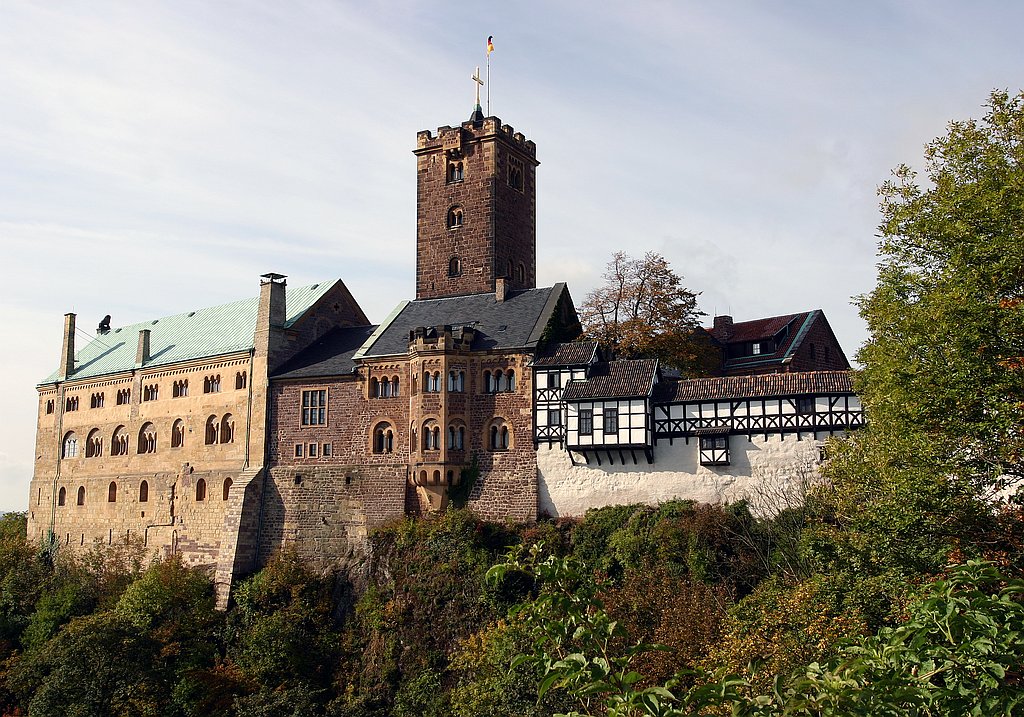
488 84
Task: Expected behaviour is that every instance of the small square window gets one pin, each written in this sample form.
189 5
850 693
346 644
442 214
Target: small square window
326 452
805 405
554 417
298 450
312 450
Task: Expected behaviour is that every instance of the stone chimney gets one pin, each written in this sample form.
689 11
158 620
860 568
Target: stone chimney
722 329
67 351
142 352
271 316
500 288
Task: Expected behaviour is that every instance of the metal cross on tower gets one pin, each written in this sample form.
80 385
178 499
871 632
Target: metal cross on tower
479 84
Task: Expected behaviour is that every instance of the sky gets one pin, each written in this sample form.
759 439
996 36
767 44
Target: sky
157 157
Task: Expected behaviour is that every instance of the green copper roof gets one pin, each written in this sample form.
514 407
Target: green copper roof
203 333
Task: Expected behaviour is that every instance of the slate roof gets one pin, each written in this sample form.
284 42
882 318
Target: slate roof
517 322
330 355
573 353
632 378
213 331
761 386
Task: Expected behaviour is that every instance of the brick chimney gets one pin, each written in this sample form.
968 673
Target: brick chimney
67 350
271 316
142 352
500 288
722 328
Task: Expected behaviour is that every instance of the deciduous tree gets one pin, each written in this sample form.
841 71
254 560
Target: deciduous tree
643 310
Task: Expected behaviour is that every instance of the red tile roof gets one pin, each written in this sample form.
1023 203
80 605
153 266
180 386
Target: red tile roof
762 386
616 379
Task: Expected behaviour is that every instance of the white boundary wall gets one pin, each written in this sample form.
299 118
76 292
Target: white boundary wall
772 474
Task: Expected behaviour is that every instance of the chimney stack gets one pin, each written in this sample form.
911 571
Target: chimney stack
67 351
271 315
142 353
500 289
722 328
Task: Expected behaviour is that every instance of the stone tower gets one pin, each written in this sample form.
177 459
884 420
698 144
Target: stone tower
475 209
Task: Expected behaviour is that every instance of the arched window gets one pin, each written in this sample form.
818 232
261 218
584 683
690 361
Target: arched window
227 487
521 274
81 495
374 387
241 381
499 437
179 389
124 396
394 386
499 381
147 438
488 382
212 430
510 380
119 442
383 438
178 434
62 496
69 447
454 266
144 492
455 171
385 387
112 492
455 217
456 437
201 489
71 404
227 429
94 444
431 436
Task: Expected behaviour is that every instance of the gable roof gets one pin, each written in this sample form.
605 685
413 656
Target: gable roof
330 355
629 378
516 322
203 333
787 331
758 386
571 353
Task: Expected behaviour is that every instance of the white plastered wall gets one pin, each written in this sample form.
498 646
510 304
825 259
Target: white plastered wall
772 474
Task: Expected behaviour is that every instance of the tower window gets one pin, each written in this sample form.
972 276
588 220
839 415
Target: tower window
515 173
455 217
454 266
454 172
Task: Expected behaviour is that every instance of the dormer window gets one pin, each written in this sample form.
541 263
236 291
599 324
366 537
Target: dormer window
455 217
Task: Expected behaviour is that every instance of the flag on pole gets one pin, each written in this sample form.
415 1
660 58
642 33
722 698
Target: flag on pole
490 44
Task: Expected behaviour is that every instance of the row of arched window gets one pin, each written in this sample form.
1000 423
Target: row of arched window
499 436
499 381
384 387
62 494
219 429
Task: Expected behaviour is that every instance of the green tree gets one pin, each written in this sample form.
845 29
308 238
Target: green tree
642 310
943 376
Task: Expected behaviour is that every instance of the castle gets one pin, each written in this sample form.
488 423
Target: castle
224 434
